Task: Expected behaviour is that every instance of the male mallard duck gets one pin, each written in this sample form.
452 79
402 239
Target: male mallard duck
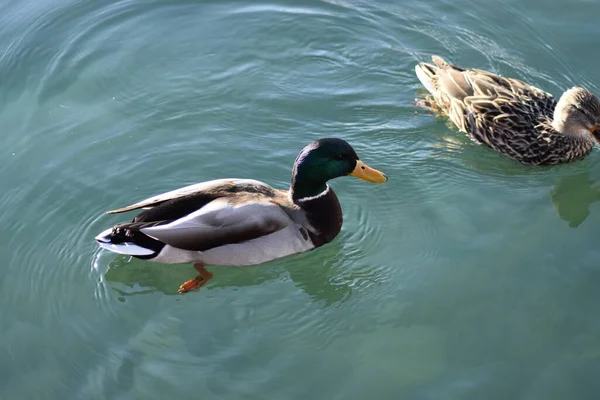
512 117
242 221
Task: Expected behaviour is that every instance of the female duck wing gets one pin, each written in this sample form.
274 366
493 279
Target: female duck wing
222 221
487 107
208 187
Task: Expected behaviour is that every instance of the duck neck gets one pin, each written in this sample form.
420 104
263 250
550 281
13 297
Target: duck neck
324 215
564 120
304 187
563 126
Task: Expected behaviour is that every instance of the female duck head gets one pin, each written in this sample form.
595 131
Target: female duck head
578 113
327 159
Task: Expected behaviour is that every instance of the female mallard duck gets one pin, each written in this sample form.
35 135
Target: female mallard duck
512 117
242 221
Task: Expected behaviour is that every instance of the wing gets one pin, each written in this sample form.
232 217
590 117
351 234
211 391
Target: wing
223 221
502 110
201 189
459 83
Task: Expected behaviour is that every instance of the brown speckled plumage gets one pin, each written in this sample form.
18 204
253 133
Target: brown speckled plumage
511 116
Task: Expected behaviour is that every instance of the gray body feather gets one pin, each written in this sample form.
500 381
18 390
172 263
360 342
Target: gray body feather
236 222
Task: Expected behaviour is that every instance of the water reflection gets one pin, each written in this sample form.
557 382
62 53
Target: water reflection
573 189
322 274
572 196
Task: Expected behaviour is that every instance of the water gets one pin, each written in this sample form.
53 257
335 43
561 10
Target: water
466 276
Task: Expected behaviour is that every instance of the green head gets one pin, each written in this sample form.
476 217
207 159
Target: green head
327 159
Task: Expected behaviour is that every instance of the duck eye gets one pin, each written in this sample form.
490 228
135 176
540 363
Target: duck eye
581 110
339 157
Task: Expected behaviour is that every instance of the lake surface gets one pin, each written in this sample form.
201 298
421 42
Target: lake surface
466 276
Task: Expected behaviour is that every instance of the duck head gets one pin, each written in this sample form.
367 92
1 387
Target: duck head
578 113
327 159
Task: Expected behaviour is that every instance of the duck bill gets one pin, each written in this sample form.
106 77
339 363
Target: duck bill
364 172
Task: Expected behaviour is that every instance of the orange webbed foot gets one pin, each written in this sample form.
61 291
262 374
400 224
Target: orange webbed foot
200 280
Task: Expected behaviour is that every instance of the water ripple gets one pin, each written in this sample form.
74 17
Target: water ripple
110 102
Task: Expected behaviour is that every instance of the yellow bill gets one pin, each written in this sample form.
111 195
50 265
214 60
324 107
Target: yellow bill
363 171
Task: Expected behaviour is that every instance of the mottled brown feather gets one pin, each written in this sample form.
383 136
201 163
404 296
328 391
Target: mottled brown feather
505 114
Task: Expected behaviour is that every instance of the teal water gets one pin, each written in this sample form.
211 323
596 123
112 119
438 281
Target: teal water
466 276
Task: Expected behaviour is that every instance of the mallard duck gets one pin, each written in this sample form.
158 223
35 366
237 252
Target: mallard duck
511 116
241 222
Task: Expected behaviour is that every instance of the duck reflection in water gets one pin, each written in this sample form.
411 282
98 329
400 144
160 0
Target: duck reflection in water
324 277
572 197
